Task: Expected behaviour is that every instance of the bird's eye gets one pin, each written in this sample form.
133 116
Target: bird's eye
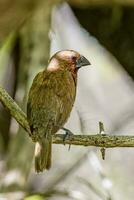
74 58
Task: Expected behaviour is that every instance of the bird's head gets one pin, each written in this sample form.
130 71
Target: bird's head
67 60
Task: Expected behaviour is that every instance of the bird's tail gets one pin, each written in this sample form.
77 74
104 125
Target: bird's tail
43 150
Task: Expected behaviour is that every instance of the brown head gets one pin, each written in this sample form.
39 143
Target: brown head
69 60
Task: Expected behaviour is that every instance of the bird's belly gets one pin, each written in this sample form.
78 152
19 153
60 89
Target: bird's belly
62 117
65 105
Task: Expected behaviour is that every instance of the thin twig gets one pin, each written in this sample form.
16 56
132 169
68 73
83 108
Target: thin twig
102 132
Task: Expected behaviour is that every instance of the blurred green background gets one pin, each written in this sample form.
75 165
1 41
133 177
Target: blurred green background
103 31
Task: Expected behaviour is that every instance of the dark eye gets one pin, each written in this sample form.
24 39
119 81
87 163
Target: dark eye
74 58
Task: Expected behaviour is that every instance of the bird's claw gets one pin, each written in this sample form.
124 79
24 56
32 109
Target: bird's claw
68 135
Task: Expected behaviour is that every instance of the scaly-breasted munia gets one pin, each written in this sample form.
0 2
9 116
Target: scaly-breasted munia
50 102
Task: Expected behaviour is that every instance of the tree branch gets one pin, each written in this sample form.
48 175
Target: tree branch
108 141
98 140
14 109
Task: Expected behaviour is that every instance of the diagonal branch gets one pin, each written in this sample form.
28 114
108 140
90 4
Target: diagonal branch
98 140
14 109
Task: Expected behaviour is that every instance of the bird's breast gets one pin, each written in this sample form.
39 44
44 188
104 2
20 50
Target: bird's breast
65 91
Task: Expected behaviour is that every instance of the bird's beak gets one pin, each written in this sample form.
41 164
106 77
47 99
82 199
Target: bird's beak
82 61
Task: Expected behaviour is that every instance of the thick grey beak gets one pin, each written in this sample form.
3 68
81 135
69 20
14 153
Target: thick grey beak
82 61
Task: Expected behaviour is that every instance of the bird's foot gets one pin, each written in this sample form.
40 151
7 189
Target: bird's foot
68 135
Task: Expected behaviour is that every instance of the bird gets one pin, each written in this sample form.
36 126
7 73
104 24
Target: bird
50 101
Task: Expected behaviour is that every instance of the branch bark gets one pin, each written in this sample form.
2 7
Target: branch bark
14 109
98 140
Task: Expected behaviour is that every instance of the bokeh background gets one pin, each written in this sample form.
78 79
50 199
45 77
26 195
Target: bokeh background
103 31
